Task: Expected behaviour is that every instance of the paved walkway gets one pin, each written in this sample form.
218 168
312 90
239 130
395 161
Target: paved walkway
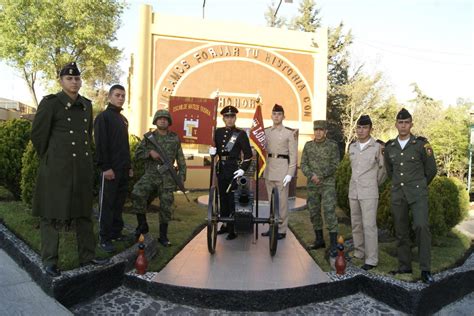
20 295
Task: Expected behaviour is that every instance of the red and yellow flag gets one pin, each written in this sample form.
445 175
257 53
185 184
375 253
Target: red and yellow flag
258 140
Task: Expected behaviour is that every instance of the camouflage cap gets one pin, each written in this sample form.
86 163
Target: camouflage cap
162 113
319 124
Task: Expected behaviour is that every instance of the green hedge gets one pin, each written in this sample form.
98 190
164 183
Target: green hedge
14 136
138 166
448 205
343 177
29 170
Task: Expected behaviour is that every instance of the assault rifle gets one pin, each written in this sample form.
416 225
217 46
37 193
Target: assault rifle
167 163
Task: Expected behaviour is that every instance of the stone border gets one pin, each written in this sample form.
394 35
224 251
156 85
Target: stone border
412 298
73 286
85 283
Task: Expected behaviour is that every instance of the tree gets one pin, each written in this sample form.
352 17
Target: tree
308 20
272 19
426 111
449 137
383 118
364 95
39 37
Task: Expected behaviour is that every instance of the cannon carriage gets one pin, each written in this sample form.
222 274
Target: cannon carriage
245 218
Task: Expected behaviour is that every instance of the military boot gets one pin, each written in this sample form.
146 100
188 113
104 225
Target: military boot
319 241
333 245
142 227
164 235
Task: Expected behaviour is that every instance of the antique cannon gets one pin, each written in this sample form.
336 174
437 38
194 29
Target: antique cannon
245 217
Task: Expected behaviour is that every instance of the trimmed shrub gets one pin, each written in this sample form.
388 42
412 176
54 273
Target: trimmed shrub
448 205
14 136
29 170
138 166
343 177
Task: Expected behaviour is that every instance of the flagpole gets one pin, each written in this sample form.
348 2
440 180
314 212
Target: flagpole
256 193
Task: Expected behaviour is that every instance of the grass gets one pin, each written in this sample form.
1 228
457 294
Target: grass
445 252
189 218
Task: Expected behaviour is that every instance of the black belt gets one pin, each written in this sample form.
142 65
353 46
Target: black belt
224 158
279 156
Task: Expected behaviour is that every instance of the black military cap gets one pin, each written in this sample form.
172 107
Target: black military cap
364 120
229 110
70 70
403 114
278 108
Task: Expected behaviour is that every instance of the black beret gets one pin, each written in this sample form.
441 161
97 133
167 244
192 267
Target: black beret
403 114
70 70
364 120
229 110
278 108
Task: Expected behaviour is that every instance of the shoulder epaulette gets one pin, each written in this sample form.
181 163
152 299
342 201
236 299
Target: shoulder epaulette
424 139
49 96
147 134
352 142
381 142
390 141
171 133
291 129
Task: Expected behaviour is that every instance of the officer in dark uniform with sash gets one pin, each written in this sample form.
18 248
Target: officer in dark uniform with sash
61 134
411 165
230 143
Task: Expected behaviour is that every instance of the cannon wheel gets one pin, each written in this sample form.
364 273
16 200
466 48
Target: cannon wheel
273 220
212 221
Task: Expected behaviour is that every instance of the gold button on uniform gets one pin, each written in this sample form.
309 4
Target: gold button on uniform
74 155
73 143
71 132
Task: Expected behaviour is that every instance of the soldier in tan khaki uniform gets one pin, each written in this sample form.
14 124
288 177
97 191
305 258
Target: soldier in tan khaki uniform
282 149
368 172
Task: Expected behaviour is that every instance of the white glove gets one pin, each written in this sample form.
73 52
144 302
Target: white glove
212 151
238 173
286 180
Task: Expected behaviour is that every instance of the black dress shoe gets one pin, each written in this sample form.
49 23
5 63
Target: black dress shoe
52 271
400 271
165 242
367 267
96 261
281 236
426 277
222 230
231 236
266 234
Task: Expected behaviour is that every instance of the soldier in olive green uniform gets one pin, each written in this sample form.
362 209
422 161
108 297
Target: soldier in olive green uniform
411 165
319 162
61 135
157 180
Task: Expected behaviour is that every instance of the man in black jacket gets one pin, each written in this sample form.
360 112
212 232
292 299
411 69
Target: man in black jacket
113 159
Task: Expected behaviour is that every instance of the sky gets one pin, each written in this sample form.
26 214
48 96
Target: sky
428 42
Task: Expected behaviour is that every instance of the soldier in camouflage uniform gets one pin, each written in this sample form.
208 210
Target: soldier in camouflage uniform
157 180
319 163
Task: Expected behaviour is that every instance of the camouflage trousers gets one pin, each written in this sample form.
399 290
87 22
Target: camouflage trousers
146 190
322 197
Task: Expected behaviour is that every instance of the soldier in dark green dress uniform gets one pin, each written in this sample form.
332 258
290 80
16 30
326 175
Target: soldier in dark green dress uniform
157 180
61 135
411 165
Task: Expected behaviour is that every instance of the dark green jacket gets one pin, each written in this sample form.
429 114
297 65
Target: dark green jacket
61 134
172 146
411 169
320 159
